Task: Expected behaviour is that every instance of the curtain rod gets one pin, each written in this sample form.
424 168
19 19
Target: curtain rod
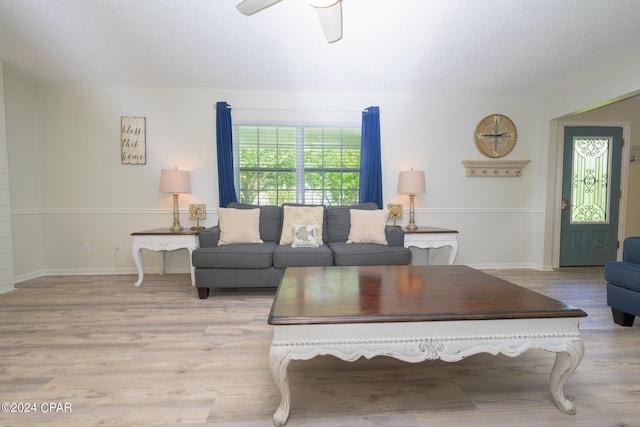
293 110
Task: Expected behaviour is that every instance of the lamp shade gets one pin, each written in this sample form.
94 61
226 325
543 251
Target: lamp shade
175 181
411 182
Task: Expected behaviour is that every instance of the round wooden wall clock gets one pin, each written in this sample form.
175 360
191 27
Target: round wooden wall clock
496 135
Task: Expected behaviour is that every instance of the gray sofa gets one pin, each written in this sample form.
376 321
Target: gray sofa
242 265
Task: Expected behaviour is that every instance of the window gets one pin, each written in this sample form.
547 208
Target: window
297 164
590 180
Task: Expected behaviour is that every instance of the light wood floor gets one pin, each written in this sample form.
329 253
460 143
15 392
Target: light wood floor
157 355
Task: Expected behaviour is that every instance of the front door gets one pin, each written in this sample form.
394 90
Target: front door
590 195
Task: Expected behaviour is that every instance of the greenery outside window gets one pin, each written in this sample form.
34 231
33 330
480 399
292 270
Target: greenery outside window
297 164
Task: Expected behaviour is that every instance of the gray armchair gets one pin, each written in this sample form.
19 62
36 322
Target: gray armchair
623 283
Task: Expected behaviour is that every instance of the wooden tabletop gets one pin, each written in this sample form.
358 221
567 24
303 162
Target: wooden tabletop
426 230
165 232
412 293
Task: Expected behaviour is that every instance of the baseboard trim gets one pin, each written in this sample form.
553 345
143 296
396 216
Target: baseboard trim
182 270
497 266
7 288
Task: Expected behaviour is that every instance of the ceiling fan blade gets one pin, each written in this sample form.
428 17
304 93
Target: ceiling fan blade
249 7
331 21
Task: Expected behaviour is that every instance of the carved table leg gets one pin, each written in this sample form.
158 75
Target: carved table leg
137 258
163 262
453 252
566 363
279 361
191 267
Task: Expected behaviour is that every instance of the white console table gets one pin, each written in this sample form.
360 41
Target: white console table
433 238
162 239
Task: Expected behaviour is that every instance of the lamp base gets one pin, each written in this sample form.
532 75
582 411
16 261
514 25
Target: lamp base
175 227
412 215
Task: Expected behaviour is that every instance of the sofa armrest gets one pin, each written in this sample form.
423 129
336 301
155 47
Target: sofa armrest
631 250
209 237
395 235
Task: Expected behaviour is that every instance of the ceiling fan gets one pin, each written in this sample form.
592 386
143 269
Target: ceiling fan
329 13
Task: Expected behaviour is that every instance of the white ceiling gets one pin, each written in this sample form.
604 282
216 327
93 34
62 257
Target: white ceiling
483 47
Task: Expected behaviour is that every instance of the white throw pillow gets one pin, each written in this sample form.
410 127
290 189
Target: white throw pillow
304 236
239 226
303 215
368 226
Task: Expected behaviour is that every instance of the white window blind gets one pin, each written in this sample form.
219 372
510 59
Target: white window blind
297 164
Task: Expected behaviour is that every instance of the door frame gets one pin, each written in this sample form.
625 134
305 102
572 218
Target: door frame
555 203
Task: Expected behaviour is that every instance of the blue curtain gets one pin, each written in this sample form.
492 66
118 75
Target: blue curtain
226 186
370 157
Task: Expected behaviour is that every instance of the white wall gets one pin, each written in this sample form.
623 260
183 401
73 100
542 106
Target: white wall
86 201
6 261
615 81
23 123
90 201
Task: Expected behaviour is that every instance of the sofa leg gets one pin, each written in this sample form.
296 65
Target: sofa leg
621 318
203 293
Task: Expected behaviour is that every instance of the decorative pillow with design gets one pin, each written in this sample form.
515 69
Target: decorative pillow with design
368 226
303 215
304 236
239 226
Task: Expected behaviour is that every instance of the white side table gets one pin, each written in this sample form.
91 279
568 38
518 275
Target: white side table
161 239
433 238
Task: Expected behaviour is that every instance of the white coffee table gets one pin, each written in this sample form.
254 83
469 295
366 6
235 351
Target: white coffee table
413 314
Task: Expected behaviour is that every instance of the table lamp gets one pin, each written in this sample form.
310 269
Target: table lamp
411 182
175 181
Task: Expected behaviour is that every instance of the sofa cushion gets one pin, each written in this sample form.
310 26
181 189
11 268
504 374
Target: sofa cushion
339 220
238 277
324 218
270 219
303 215
286 256
239 226
239 255
368 226
369 254
304 236
625 274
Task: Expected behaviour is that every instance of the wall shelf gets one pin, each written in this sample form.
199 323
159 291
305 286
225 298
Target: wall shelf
500 168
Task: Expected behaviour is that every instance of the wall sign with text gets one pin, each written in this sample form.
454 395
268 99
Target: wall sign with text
133 140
